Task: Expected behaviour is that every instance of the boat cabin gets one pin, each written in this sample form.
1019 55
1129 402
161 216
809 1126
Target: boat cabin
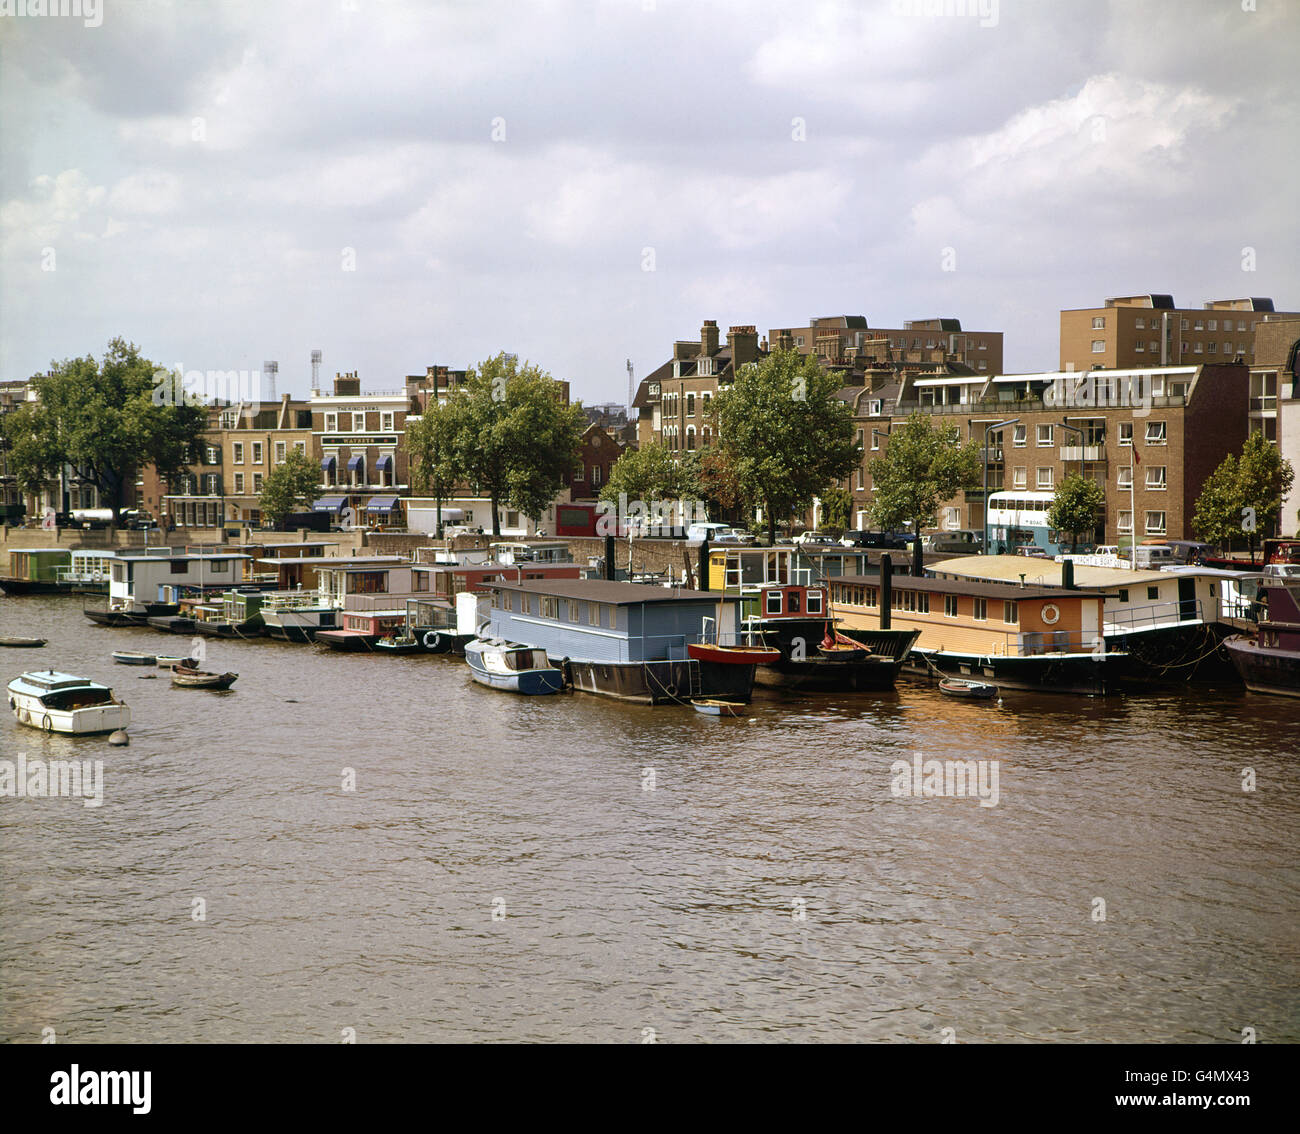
139 578
736 569
446 580
38 564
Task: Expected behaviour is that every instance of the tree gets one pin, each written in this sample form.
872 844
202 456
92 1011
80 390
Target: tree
1243 496
1076 506
431 445
513 438
648 473
836 505
289 485
104 420
784 434
921 468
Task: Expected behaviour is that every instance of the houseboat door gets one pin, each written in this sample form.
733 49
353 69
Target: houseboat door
1187 598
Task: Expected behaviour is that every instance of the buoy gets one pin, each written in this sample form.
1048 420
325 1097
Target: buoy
118 738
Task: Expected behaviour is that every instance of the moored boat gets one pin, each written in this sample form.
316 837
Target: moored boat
715 708
187 678
1269 662
134 657
512 667
61 702
969 690
22 643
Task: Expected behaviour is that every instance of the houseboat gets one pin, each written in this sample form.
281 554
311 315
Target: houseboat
151 583
1171 621
60 702
234 614
360 630
88 573
35 570
1018 637
1269 661
296 613
623 640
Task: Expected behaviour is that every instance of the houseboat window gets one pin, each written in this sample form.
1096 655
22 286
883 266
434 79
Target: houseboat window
220 567
546 607
1153 592
814 602
572 610
1123 594
981 609
1211 590
794 604
593 613
507 601
908 599
368 583
872 596
950 605
1011 612
923 602
419 580
179 566
525 604
773 602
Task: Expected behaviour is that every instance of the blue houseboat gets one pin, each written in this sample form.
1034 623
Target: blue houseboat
624 640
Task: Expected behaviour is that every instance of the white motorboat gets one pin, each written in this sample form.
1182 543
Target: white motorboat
60 702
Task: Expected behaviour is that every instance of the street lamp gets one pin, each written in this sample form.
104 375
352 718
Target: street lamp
989 429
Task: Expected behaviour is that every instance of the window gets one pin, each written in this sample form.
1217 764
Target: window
212 455
546 606
1126 433
875 441
873 596
572 610
238 448
387 423
1046 477
1098 322
1185 325
580 471
1125 477
257 452
950 606
593 613
281 451
862 479
1156 433
1241 325
358 422
690 405
1153 593
1098 346
1140 347
1200 325
1020 477
1199 348
229 419
877 407
1123 594
1011 612
1140 324
814 602
1125 521
239 484
773 602
1155 523
981 609
1154 345
257 482
1044 436
331 423
1156 478
595 476
1212 325
1018 440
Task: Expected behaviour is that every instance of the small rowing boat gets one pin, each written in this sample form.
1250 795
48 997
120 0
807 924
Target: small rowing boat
134 657
187 678
714 708
22 643
969 690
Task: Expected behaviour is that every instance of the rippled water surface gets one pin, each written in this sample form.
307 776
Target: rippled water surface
648 868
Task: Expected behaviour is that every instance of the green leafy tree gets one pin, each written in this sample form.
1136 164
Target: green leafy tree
1243 496
513 438
837 503
922 467
649 473
105 419
431 445
1076 506
288 487
784 434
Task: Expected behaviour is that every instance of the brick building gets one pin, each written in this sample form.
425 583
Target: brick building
1275 401
845 339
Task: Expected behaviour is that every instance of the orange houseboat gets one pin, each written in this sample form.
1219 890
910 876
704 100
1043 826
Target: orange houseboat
1019 637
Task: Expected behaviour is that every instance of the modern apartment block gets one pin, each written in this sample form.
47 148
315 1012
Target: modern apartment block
1275 401
1134 331
1182 421
847 339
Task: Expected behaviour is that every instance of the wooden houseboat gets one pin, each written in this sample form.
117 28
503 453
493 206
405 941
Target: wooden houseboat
151 583
295 613
35 570
623 640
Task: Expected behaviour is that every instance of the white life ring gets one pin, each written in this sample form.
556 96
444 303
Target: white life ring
47 723
1051 614
431 639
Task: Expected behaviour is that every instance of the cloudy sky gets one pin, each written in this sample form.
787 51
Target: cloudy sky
581 182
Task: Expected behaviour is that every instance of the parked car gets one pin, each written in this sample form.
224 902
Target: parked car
964 540
714 533
813 537
861 537
1031 552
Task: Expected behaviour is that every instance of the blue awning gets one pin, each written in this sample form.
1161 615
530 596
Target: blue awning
329 504
382 504
385 463
358 462
328 464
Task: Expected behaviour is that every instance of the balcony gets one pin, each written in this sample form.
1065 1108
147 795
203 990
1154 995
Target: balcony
1082 452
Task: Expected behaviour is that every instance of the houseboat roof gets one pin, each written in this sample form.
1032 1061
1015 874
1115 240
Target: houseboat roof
340 562
977 587
1042 572
166 555
618 594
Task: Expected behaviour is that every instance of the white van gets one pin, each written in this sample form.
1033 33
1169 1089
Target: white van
1155 555
714 533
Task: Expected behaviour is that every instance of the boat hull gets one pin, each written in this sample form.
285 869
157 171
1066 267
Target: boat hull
87 721
127 657
252 628
1273 671
663 682
530 682
347 641
17 587
1089 675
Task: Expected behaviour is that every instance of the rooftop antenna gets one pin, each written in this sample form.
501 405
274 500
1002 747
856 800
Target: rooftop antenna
270 370
631 392
315 369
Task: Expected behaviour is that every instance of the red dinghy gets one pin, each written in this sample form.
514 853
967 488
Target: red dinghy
732 655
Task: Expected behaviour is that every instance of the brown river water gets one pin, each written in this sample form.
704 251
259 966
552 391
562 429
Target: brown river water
572 868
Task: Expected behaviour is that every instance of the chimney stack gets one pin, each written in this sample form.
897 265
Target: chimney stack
709 338
743 341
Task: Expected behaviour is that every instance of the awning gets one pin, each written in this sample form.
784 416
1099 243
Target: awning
328 464
329 504
385 463
357 462
383 504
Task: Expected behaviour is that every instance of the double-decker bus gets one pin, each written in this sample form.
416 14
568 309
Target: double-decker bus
1019 519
